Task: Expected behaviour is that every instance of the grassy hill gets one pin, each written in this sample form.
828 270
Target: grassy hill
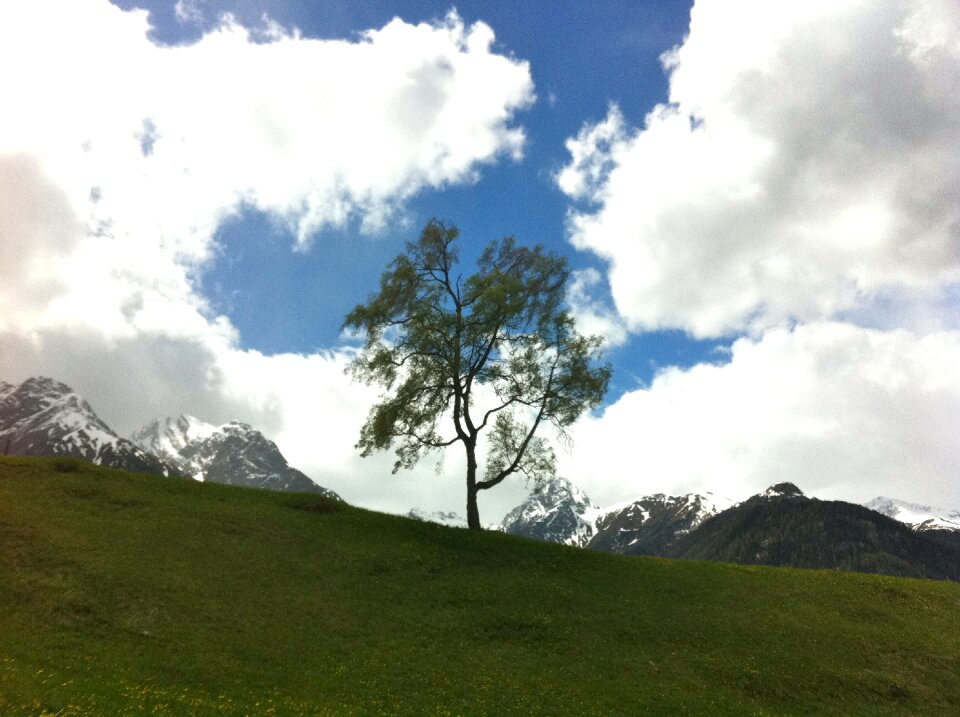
131 594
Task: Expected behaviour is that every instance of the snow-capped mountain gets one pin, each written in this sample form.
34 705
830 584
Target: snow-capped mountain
450 518
780 491
780 526
233 453
919 517
652 524
561 513
43 417
558 512
168 437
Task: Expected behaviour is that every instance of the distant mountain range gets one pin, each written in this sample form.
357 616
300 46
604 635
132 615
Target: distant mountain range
559 512
780 526
43 417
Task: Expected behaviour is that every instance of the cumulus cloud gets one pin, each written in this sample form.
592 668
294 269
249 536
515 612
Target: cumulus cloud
120 159
37 222
844 412
800 189
316 132
804 166
593 316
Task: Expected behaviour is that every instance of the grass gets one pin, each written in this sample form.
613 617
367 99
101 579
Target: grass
128 594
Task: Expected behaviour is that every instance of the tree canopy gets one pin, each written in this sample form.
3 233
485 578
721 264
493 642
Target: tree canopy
456 356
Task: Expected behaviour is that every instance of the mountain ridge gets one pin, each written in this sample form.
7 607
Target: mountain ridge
44 417
779 526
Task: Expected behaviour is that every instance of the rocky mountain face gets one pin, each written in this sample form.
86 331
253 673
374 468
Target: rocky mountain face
558 512
43 417
652 524
784 527
234 453
561 513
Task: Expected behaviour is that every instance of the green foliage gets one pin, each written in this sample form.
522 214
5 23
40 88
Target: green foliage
456 355
507 437
126 594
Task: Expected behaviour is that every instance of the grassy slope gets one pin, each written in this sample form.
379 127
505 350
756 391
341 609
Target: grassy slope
125 594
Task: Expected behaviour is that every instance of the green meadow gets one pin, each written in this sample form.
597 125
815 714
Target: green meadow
124 594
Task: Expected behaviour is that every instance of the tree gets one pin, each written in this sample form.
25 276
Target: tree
496 350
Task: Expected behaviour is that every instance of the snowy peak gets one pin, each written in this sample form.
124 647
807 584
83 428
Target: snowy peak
782 490
651 525
917 516
41 401
233 453
43 417
167 437
559 512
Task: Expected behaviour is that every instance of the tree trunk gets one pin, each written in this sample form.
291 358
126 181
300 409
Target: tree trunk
473 513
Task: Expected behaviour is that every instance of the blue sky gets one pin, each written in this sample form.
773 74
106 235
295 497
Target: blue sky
759 202
282 301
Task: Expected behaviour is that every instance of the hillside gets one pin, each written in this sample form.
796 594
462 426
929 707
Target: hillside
133 594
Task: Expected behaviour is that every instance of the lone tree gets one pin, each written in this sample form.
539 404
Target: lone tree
496 350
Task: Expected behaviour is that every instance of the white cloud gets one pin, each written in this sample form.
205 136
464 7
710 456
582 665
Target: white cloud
317 132
805 166
843 412
120 158
150 148
36 223
803 174
592 316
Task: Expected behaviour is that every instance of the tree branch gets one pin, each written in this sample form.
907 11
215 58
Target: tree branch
503 473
